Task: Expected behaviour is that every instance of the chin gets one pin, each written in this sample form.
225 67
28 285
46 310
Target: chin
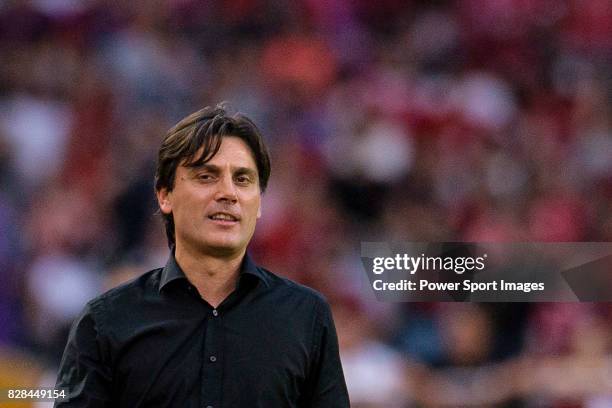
222 247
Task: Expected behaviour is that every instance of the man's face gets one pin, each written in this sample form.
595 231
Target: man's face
215 206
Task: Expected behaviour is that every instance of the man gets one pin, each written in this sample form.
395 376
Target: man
211 328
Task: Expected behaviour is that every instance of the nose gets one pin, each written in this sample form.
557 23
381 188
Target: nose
226 190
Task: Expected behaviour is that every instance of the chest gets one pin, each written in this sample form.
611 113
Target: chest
204 357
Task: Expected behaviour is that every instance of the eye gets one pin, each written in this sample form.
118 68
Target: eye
243 179
205 177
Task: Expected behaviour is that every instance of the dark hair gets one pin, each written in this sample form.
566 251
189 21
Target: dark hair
205 129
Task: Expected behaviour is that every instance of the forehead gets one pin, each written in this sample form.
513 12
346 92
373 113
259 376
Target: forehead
234 148
233 151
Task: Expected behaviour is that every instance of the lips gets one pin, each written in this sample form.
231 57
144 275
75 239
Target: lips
224 216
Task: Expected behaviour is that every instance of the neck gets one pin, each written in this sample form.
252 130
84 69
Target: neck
214 277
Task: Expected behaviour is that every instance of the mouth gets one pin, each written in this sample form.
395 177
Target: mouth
224 218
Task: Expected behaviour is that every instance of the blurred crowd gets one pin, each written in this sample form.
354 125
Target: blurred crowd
388 120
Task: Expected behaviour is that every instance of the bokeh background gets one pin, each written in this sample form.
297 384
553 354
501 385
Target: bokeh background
477 120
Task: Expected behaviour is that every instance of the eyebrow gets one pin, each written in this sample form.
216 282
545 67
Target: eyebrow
215 169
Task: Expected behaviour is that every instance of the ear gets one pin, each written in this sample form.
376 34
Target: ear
259 211
164 200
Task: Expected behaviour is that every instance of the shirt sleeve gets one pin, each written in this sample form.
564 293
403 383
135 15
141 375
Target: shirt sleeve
83 371
328 388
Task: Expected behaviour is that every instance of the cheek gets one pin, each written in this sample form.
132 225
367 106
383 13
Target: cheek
253 208
188 209
193 200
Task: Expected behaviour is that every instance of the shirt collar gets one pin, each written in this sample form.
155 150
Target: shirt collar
172 271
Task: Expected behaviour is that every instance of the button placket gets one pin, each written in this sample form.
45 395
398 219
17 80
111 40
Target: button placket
213 367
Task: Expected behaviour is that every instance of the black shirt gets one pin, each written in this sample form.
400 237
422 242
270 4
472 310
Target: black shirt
154 342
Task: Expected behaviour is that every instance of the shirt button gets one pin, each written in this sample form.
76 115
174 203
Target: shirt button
215 313
213 359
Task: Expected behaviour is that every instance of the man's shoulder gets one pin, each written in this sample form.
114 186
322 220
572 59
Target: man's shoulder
292 288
